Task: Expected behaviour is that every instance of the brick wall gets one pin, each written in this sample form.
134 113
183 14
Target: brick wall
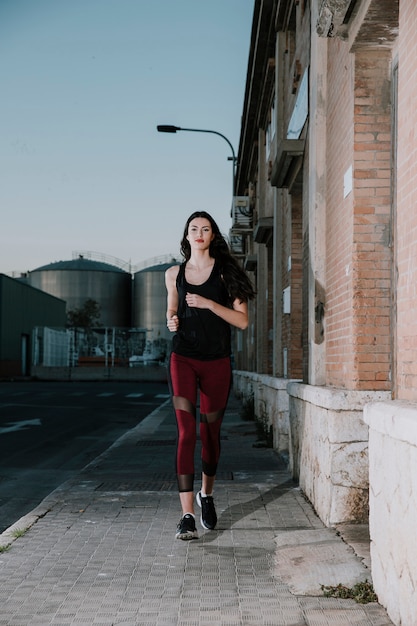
291 269
339 221
371 261
406 244
295 369
358 223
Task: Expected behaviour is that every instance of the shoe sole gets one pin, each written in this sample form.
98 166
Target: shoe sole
205 526
187 536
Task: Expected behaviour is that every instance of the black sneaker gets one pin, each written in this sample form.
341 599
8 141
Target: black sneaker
208 517
186 528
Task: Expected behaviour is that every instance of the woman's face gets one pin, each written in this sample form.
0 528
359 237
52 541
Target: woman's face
200 233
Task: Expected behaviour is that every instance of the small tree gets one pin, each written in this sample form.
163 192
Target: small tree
88 316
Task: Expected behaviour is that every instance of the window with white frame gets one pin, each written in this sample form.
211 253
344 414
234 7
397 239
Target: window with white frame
271 128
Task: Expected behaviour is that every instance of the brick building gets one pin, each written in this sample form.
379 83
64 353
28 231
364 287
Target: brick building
327 168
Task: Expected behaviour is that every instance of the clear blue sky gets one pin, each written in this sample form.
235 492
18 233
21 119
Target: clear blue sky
83 85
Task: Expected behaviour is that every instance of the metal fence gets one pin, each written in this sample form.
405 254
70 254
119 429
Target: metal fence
107 347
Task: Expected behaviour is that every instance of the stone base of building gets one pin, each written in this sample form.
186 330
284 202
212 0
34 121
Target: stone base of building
321 431
270 405
329 449
393 506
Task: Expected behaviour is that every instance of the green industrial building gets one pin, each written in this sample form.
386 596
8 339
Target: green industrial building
21 309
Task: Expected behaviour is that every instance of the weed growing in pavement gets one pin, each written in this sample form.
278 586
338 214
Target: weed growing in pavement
263 428
19 532
248 409
361 592
16 533
4 548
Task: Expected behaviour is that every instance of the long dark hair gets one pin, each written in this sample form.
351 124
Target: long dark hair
237 282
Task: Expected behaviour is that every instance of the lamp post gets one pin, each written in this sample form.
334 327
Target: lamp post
166 128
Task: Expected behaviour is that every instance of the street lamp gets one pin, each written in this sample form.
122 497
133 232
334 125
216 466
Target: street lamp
166 128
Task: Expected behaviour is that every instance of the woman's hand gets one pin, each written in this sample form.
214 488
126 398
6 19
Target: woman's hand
173 323
198 302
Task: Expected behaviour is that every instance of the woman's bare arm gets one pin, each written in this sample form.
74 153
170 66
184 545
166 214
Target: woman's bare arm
172 297
237 316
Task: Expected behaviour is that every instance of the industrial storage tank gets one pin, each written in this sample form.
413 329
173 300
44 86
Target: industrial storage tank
81 279
150 303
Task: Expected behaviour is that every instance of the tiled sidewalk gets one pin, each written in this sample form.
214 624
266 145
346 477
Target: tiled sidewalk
103 551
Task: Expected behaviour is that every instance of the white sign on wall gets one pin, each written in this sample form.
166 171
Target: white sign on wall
347 182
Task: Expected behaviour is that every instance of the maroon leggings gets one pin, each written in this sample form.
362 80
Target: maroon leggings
213 379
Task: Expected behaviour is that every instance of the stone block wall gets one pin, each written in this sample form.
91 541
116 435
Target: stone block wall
270 402
329 449
393 506
322 433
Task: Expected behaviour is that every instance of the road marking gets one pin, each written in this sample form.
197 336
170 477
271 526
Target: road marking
134 395
162 395
11 427
105 395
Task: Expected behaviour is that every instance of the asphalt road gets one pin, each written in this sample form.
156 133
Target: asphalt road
50 430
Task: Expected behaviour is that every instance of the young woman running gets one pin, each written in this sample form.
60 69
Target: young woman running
207 294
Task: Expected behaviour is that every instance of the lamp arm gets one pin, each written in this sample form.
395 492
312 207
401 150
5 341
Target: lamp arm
213 132
169 128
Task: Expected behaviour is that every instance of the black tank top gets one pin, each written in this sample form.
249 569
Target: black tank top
202 334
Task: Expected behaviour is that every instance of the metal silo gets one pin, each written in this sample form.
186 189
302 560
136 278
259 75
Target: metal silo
149 304
80 279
